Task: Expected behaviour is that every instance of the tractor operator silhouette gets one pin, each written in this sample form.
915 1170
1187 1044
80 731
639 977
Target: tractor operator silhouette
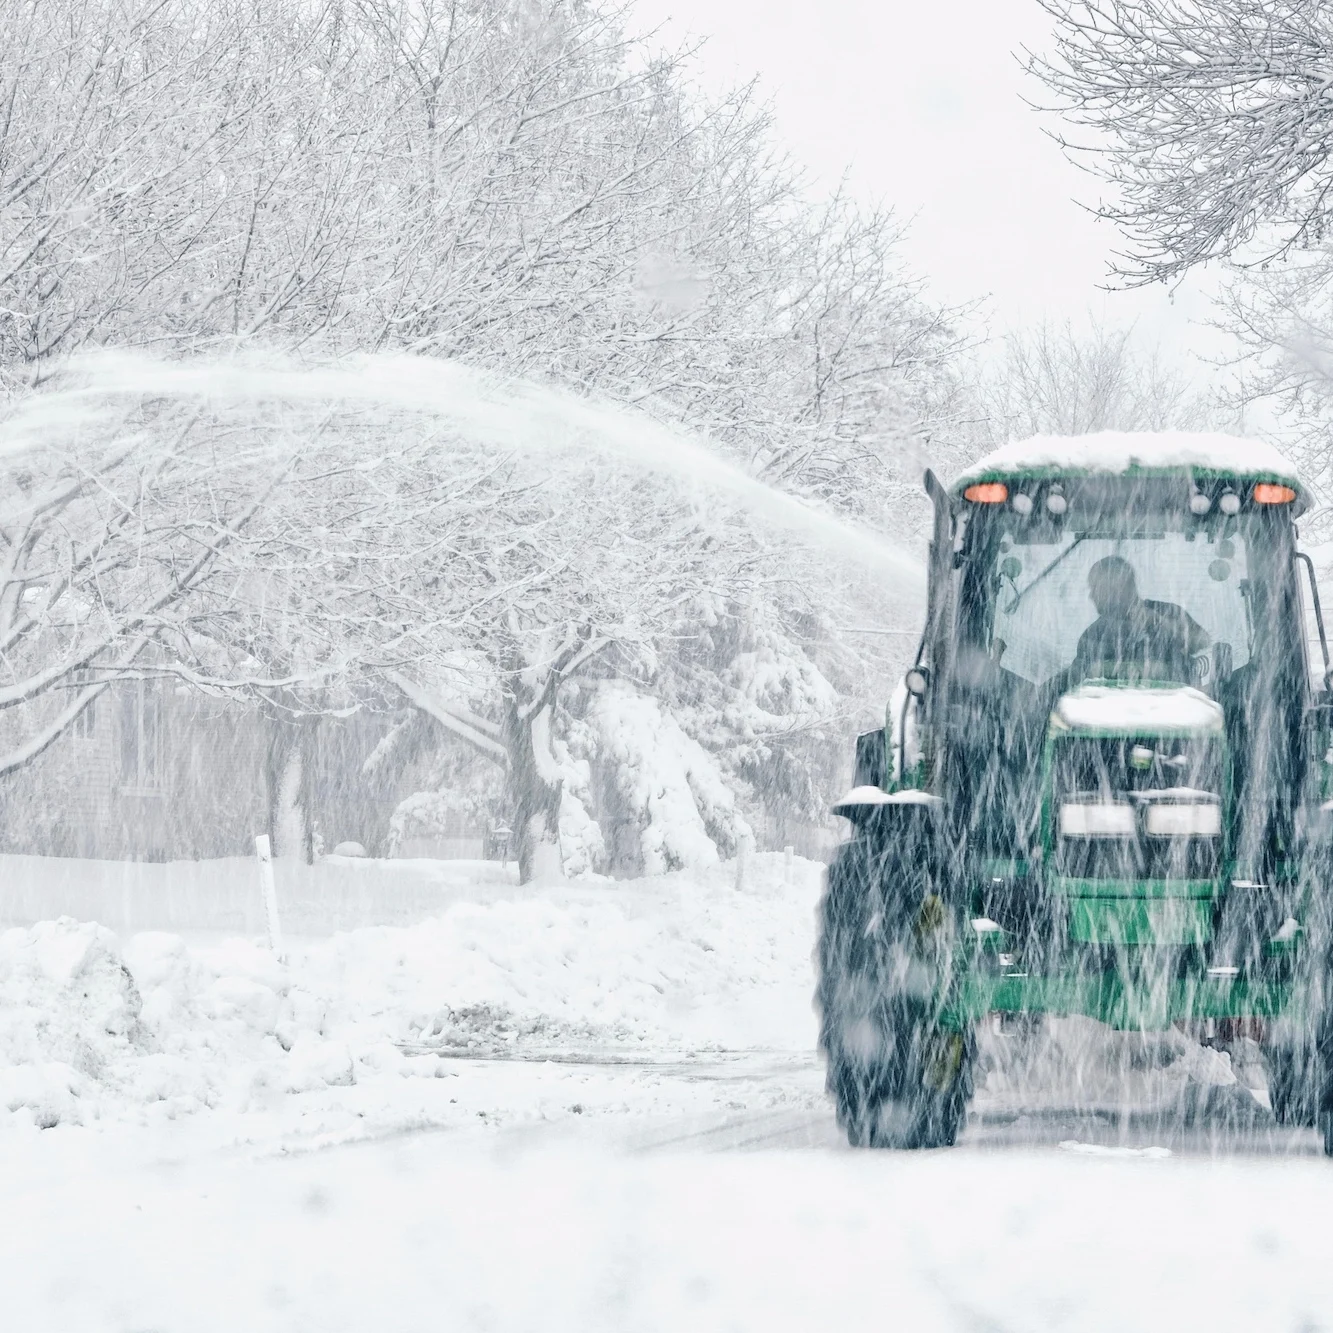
1134 637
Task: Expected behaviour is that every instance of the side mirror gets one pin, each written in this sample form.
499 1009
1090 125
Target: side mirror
917 681
871 767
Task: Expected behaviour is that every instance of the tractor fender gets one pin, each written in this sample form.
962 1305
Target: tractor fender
863 802
897 853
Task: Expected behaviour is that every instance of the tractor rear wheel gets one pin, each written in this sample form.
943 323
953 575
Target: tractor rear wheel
1326 1131
898 1079
913 1093
1293 1089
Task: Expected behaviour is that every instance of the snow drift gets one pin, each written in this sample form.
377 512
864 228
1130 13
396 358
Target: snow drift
92 1028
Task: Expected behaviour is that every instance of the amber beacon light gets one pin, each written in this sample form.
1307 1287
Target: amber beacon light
987 493
1269 493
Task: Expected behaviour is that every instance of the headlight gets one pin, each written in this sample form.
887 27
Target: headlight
1199 820
1096 821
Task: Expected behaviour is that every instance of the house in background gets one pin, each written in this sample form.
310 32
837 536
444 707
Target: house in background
156 771
151 771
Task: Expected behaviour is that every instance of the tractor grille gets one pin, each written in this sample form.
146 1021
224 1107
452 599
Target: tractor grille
1137 809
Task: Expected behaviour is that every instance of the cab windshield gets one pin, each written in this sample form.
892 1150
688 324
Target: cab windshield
1125 584
1044 612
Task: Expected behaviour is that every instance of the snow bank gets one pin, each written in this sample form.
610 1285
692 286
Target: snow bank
91 1029
156 1028
69 1014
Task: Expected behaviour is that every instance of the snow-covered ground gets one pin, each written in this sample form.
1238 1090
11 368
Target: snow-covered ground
592 1107
152 1026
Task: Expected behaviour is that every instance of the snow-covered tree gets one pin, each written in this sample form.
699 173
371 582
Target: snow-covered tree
116 533
1056 380
522 187
1210 119
174 174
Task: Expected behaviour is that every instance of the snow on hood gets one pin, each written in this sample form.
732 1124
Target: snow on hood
1169 710
1117 452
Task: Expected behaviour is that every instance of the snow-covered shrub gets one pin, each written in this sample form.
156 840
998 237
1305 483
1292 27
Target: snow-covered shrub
773 683
767 692
659 792
428 814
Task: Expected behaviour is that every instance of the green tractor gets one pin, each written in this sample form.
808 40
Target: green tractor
1102 789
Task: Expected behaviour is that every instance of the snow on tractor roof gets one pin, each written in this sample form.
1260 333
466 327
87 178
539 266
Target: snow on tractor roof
1117 710
1120 453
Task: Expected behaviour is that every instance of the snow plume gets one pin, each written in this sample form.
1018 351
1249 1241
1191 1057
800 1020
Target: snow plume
493 411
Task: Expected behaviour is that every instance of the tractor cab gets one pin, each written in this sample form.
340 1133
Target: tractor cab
1076 613
1112 688
1101 790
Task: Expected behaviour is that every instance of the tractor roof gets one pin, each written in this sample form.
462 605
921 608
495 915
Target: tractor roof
1134 454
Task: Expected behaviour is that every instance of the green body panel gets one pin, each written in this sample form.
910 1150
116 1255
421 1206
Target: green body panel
1134 888
1140 921
1148 924
1113 999
1166 912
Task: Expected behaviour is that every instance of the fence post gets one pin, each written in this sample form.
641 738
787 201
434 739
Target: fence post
743 849
269 892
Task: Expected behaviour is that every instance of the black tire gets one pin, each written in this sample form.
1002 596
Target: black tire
1326 1130
1293 1090
896 1077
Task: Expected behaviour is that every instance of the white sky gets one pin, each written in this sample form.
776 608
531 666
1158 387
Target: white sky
922 99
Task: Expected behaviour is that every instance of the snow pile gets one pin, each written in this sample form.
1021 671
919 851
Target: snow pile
1076 1063
157 1029
656 962
69 1012
88 1031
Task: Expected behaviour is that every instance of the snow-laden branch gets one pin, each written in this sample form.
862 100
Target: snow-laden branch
479 733
44 738
1212 120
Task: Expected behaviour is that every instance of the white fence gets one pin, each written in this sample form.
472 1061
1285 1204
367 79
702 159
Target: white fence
337 894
